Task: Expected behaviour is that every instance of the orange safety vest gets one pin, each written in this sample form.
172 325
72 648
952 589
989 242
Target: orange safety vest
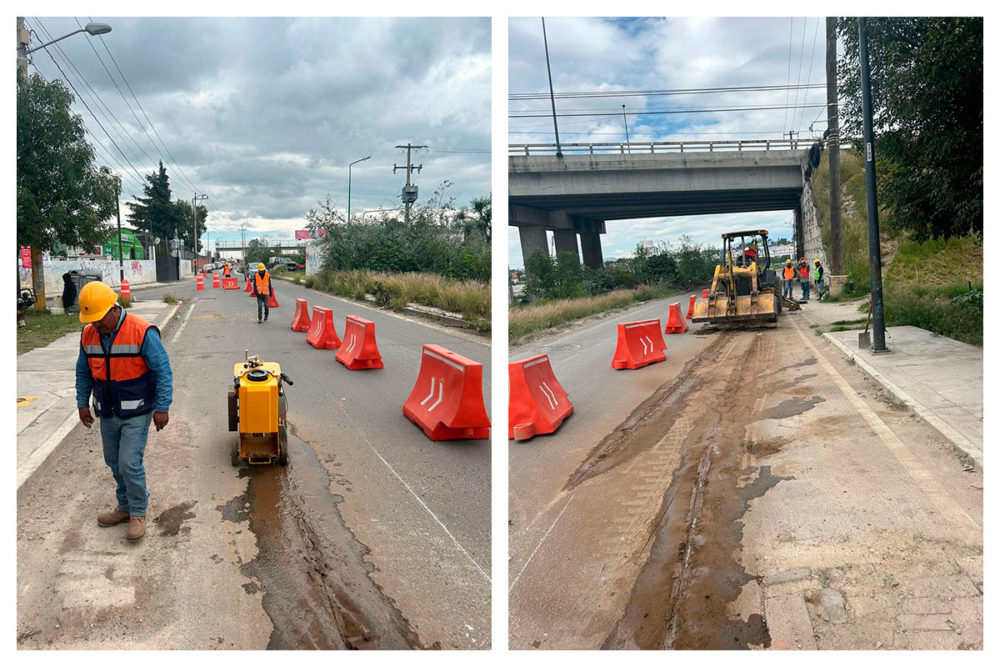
228 270
263 285
788 272
804 271
123 383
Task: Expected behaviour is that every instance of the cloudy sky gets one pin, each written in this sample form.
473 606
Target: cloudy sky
264 115
594 54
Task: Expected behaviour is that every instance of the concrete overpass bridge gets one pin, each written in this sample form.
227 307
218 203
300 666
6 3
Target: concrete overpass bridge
577 193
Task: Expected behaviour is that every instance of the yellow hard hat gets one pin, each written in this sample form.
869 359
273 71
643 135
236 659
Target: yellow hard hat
817 260
96 299
261 267
788 261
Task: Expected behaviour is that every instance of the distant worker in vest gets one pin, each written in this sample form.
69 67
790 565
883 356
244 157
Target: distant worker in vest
751 253
818 277
228 271
261 287
123 365
804 277
788 275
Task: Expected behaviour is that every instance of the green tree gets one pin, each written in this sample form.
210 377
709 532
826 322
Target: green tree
927 99
187 223
155 213
62 196
258 252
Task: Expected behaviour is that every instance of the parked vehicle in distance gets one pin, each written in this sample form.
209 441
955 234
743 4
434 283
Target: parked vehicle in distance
285 263
208 268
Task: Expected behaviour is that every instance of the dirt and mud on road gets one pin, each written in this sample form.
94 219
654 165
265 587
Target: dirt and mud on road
768 496
310 567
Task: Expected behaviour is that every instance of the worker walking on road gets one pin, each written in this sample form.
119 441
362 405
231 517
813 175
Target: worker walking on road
788 275
262 289
228 271
818 273
122 363
804 277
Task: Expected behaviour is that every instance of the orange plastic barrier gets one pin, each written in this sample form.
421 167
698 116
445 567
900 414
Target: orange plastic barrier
215 280
359 350
301 321
447 400
272 302
675 323
230 283
690 308
537 403
199 283
322 334
705 293
126 291
639 344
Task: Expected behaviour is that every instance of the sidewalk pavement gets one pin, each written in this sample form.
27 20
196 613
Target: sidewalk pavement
46 393
938 378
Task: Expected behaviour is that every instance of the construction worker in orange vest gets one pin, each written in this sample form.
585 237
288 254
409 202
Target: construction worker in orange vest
804 277
261 288
123 365
788 275
228 270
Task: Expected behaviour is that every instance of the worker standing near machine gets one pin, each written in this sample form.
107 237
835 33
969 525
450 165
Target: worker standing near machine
788 275
261 288
804 277
751 252
818 273
122 363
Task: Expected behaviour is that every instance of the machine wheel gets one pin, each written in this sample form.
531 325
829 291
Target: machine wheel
282 406
283 445
778 308
233 413
234 453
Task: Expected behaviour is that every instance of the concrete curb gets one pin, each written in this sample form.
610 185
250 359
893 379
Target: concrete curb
957 440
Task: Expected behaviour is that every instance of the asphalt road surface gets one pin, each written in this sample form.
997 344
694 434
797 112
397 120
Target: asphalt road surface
755 490
372 537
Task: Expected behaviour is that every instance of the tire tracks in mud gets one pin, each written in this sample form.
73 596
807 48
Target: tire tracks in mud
310 566
682 595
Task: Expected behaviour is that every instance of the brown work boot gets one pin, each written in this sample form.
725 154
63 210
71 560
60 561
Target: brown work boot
111 517
136 527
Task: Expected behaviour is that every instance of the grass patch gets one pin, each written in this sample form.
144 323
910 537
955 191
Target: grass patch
125 303
396 290
931 308
169 298
539 316
44 327
845 322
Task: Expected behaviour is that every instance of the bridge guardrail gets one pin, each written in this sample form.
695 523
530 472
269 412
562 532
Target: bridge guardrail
646 147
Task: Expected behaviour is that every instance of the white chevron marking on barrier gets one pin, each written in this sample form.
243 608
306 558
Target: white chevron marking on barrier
430 395
650 341
549 394
645 351
440 396
354 338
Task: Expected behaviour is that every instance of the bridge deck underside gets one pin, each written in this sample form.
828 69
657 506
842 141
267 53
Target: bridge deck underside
622 206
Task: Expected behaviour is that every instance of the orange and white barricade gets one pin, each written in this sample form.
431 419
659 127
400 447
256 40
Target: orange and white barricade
359 351
447 400
537 403
322 334
639 344
215 280
675 323
199 282
301 321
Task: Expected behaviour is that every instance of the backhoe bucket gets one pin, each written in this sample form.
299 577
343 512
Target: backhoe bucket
748 310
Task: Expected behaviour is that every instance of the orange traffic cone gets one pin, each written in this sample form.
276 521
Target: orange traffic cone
272 302
126 291
199 281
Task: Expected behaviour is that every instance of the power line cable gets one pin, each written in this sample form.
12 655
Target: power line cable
659 92
798 76
812 57
674 111
791 23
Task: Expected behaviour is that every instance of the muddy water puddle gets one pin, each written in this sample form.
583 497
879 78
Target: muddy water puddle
310 567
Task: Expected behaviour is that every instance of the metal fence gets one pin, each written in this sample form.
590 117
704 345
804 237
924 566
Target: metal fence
647 147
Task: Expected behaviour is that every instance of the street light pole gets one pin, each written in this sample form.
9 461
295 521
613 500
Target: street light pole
194 212
367 157
874 249
121 255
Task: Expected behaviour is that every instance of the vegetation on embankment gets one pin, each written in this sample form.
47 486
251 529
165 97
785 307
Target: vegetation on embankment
471 298
44 327
535 317
935 285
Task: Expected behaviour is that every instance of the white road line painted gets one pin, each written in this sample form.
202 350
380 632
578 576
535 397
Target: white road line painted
37 457
911 464
184 323
539 546
415 496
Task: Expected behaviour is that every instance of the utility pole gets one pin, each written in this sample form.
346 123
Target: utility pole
37 268
194 212
121 255
625 118
409 191
874 249
833 144
243 244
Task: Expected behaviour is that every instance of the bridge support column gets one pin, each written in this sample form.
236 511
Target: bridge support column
533 240
800 239
590 243
566 242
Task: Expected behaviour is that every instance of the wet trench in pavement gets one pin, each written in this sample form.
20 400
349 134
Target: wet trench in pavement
310 567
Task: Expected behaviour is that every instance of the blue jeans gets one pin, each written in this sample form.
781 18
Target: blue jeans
819 289
788 289
805 288
262 305
124 446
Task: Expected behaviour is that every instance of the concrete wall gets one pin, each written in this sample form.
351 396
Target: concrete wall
313 258
137 272
812 228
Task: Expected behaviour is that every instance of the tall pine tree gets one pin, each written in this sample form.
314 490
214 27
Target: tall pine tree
155 214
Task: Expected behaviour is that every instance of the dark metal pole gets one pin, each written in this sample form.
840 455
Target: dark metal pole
552 94
874 249
833 145
625 118
121 256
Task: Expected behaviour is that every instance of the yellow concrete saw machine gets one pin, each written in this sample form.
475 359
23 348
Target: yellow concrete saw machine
744 288
257 410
